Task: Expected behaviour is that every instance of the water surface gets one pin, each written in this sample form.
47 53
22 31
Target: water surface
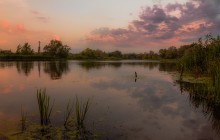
152 106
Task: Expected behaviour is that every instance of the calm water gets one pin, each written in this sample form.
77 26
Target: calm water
151 107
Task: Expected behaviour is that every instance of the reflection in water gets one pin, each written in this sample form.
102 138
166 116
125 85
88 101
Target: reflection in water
6 64
24 67
98 65
135 75
39 68
91 65
169 67
152 108
56 69
205 97
117 64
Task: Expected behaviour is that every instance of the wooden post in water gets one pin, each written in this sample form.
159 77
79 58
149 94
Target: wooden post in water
135 79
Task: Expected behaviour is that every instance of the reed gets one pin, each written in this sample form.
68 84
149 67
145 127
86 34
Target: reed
68 114
81 109
45 107
23 120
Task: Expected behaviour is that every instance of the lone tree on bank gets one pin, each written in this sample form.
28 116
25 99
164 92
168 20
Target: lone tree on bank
56 49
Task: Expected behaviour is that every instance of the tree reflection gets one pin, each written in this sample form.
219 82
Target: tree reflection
168 67
24 67
98 65
205 97
6 64
56 69
91 65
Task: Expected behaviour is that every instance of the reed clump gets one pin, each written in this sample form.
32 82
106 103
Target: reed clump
81 109
73 127
45 107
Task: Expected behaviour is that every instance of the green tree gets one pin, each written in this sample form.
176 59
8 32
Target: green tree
56 49
25 49
162 53
171 53
89 53
116 54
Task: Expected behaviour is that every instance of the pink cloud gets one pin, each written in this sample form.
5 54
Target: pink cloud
8 27
20 28
163 26
12 34
56 37
35 12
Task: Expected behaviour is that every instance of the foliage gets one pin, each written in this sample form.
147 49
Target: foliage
170 53
93 54
116 54
56 49
25 49
202 57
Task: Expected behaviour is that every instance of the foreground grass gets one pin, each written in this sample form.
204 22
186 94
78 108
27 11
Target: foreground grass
73 126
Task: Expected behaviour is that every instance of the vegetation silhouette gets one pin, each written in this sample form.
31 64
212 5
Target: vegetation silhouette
56 49
25 49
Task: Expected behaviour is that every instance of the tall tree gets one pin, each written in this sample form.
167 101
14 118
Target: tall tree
25 49
56 49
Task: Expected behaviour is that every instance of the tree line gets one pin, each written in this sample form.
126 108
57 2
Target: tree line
195 54
169 53
55 49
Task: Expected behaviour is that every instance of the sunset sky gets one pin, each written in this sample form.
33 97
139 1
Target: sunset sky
125 25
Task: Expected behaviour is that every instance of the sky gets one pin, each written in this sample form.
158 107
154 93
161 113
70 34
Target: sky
125 25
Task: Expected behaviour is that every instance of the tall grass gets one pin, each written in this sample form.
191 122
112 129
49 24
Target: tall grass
68 114
81 109
23 120
45 107
74 118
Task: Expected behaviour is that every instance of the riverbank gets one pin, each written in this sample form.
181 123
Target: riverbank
37 57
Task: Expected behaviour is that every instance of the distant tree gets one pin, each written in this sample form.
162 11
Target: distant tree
18 51
56 49
5 51
171 53
116 54
88 53
162 53
151 55
100 54
25 49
